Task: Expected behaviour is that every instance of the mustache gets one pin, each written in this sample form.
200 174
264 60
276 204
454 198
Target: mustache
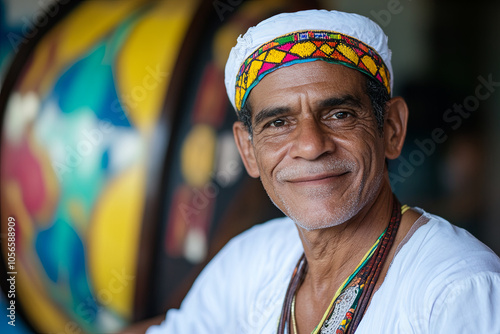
316 168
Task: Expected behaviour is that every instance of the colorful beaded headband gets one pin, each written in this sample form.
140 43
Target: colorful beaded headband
304 46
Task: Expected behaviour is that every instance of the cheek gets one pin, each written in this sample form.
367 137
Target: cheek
269 153
374 157
365 147
265 164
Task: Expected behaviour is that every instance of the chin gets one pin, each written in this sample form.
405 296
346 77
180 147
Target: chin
329 220
301 214
319 214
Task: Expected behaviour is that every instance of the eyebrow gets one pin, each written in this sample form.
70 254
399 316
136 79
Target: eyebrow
331 102
269 113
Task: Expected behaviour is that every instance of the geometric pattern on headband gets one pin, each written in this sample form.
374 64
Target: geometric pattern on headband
309 45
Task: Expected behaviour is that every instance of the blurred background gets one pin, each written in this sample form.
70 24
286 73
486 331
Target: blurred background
117 158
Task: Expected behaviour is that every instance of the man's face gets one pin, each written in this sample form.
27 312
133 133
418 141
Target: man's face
316 145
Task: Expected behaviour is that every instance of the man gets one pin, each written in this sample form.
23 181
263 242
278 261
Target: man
317 122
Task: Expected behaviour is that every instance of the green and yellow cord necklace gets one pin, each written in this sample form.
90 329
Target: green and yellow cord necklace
351 299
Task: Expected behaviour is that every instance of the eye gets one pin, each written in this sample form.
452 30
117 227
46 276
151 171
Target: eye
341 115
277 123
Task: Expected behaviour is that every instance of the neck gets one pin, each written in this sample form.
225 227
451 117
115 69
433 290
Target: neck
333 253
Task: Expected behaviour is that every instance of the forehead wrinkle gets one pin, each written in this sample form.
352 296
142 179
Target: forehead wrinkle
346 99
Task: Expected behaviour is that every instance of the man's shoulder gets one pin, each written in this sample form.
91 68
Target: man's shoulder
439 251
440 239
442 277
275 238
278 232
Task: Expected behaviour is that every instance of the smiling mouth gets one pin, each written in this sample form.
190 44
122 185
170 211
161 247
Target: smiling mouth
319 178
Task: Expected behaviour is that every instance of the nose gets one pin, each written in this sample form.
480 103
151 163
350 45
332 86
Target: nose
311 140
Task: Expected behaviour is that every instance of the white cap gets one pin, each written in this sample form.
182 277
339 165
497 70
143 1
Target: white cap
353 25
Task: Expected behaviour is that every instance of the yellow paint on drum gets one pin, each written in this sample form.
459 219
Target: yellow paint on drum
147 59
38 69
197 157
113 240
74 35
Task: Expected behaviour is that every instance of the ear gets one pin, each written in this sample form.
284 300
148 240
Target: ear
245 146
395 127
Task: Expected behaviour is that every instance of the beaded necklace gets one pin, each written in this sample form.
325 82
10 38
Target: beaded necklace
351 299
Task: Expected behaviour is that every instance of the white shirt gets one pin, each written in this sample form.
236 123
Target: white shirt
441 280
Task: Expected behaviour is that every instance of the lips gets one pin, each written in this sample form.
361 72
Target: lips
316 178
314 172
